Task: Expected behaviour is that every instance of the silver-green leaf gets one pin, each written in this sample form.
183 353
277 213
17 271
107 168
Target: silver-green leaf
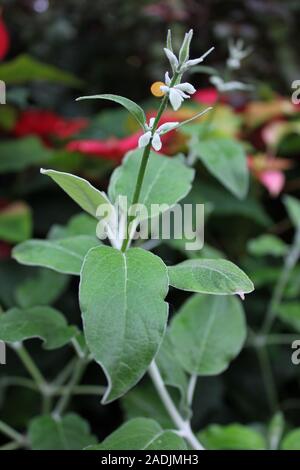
136 111
158 185
70 432
42 322
225 159
207 333
63 255
210 276
124 313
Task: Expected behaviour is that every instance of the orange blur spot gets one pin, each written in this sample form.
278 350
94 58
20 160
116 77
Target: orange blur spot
155 89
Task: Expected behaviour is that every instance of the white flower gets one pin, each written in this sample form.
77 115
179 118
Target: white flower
236 54
190 63
222 86
155 139
177 93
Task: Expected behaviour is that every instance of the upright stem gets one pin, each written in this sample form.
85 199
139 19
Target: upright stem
289 264
74 380
183 426
30 366
142 169
11 433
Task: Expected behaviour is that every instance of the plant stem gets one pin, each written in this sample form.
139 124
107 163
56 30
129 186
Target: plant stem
30 366
11 446
142 169
11 433
268 379
191 389
81 390
183 426
289 264
78 371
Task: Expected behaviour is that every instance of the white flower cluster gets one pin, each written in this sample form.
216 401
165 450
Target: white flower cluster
237 53
156 141
176 91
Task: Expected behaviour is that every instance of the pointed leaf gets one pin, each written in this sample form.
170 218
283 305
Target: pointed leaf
141 434
70 432
63 255
207 333
124 313
131 106
24 68
36 322
210 276
80 190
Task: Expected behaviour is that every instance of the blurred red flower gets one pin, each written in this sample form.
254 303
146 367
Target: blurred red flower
46 124
269 171
4 39
207 96
109 149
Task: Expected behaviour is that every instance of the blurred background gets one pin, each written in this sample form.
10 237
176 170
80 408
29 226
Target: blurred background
52 51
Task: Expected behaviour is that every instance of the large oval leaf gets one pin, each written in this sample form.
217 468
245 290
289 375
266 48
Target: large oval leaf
131 106
158 184
210 276
207 333
124 313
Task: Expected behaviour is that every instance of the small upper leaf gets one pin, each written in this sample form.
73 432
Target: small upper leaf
141 434
36 322
131 106
70 432
210 276
80 190
64 255
207 333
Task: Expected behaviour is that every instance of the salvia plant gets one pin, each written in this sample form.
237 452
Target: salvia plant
123 285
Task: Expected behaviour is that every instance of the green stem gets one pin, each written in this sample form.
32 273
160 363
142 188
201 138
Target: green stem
10 432
143 166
289 264
268 379
74 380
30 366
11 446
